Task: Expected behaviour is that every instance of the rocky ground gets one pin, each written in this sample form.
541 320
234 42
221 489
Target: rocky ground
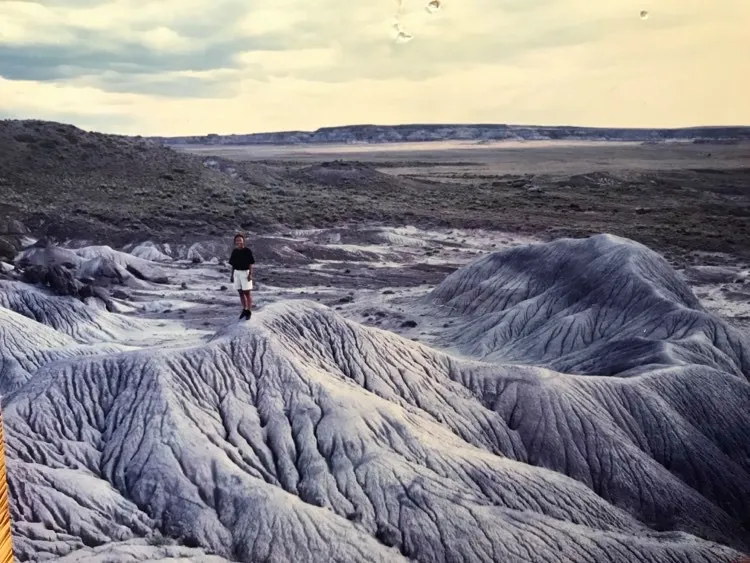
688 201
62 182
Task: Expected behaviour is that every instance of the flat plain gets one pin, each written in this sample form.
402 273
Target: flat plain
676 197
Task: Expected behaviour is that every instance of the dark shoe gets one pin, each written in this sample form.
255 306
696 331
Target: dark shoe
243 313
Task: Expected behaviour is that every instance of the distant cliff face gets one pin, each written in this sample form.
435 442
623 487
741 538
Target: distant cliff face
351 134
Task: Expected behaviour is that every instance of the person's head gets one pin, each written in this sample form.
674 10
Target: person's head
239 241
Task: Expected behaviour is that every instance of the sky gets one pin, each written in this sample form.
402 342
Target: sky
193 67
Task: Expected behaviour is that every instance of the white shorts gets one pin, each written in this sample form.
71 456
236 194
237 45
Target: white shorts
241 283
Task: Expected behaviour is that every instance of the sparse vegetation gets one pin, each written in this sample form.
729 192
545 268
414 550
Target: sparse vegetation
68 183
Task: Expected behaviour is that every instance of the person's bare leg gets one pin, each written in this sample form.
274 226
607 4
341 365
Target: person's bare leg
248 300
242 299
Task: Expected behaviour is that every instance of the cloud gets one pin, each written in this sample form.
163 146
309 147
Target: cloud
239 66
92 56
124 46
216 83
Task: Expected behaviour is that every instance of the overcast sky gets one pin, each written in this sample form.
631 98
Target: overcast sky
180 67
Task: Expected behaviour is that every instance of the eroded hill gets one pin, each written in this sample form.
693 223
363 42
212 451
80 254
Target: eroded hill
305 436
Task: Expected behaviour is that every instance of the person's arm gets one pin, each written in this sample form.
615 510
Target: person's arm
231 263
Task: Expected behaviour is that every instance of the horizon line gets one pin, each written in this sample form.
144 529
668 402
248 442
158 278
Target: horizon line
397 125
454 124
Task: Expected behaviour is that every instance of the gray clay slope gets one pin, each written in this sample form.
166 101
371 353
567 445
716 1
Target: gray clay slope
302 436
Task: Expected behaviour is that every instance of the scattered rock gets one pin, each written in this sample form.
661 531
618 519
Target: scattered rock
10 238
86 291
6 271
10 226
8 248
409 324
387 534
712 274
103 271
120 294
46 255
143 274
58 278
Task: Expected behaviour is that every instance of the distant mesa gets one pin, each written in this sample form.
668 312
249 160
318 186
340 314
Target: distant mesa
366 134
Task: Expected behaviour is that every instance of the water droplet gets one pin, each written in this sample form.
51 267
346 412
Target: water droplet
433 6
401 35
644 15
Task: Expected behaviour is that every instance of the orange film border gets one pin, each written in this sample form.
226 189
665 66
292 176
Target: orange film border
6 543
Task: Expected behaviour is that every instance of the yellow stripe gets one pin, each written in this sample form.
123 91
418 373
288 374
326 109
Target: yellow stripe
6 545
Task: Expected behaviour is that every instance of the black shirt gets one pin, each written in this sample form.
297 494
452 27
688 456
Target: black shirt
241 259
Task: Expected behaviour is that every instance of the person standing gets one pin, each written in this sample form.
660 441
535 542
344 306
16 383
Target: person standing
242 261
